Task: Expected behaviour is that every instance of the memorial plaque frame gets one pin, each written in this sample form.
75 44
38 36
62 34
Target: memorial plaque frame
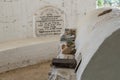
49 21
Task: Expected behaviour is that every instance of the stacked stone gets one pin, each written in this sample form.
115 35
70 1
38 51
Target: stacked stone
63 67
69 38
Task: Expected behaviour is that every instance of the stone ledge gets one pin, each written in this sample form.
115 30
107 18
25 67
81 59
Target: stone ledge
21 53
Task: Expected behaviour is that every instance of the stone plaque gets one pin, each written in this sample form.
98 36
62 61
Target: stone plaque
49 21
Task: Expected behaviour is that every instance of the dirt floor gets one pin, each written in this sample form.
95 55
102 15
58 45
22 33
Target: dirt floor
35 72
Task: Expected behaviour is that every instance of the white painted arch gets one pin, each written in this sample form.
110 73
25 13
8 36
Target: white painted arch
92 32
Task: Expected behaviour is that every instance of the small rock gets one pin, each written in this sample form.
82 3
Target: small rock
67 50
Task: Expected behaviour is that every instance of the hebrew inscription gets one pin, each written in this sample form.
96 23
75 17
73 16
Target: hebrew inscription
49 21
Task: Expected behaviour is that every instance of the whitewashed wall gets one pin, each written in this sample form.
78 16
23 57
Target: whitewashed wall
16 16
83 8
76 9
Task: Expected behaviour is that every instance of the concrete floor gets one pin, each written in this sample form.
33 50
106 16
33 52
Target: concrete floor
35 72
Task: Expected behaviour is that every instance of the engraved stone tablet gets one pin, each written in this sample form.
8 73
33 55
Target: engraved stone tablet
49 21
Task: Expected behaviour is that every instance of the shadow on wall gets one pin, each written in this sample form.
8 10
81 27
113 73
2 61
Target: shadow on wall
105 64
